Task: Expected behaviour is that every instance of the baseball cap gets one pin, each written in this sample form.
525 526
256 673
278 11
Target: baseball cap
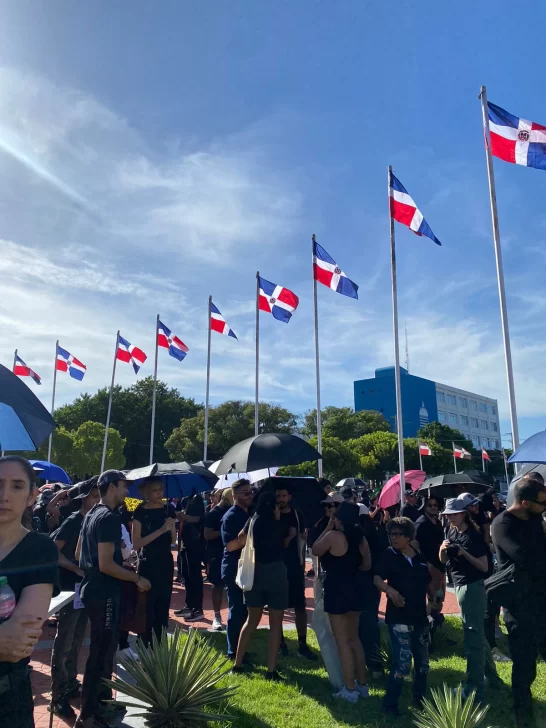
460 504
84 488
111 476
409 493
348 512
333 498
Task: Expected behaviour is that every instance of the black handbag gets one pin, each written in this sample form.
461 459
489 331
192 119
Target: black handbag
501 588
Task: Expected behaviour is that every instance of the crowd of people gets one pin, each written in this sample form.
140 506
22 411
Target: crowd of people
120 567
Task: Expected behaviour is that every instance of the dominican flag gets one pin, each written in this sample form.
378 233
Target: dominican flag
404 210
277 300
22 370
424 449
130 354
516 140
67 363
460 453
218 322
485 455
327 272
167 340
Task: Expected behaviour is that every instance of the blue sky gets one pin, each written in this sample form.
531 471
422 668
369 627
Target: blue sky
152 154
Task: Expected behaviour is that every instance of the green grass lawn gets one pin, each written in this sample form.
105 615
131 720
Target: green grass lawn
305 701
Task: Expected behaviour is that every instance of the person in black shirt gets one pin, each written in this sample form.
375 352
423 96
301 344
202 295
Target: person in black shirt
270 586
403 575
101 559
214 552
520 543
429 536
466 553
294 558
410 508
153 534
191 554
29 562
72 622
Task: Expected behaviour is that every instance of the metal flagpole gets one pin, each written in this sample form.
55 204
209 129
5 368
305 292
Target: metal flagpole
256 403
500 271
483 463
399 422
207 391
152 432
420 456
317 360
454 458
50 443
505 467
15 359
103 461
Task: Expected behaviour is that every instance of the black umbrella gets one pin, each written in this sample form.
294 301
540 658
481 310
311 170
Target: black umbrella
268 450
450 485
180 479
24 421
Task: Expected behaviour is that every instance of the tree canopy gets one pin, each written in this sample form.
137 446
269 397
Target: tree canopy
344 423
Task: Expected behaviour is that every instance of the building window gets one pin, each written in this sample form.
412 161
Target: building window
485 442
473 404
476 442
483 407
451 399
484 424
464 420
474 422
441 416
493 410
452 418
494 427
463 402
494 444
441 397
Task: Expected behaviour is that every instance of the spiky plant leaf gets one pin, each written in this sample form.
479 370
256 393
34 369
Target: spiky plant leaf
447 709
176 681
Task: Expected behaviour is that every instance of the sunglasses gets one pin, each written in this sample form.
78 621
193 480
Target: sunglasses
332 505
539 503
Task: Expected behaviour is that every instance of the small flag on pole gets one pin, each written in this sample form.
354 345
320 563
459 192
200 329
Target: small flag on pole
130 354
167 340
485 455
327 272
516 140
22 370
67 363
424 449
404 210
460 453
218 322
277 300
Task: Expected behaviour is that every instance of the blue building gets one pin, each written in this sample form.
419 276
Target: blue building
425 401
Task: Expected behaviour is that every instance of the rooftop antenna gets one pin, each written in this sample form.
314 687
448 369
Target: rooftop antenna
407 349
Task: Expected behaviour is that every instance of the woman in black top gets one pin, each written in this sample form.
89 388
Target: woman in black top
466 553
153 535
29 562
270 587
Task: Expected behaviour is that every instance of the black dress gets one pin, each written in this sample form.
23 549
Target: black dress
345 585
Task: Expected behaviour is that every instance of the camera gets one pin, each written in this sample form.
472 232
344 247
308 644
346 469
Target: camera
452 550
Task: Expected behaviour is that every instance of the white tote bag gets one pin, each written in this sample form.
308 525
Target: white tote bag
325 638
247 562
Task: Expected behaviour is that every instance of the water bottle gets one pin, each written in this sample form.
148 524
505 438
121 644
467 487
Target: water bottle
7 600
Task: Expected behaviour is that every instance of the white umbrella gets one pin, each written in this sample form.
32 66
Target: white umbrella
226 481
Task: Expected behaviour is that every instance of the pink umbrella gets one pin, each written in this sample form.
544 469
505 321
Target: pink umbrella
390 494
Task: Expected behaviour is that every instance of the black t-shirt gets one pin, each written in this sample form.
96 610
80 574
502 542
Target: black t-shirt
268 536
232 524
293 519
100 525
369 528
410 511
523 543
191 532
430 536
34 560
410 577
213 520
462 571
152 519
69 532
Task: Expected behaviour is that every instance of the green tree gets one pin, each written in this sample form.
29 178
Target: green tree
88 442
229 423
339 461
377 453
344 423
62 450
132 416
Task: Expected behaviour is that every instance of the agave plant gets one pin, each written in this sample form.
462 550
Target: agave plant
175 682
447 709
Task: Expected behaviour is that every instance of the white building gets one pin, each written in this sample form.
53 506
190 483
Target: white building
475 416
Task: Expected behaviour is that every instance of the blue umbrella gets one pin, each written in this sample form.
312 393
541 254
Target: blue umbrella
533 450
24 421
50 471
180 479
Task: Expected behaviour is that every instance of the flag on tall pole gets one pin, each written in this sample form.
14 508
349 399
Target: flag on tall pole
326 271
64 362
424 450
516 140
485 458
276 300
488 131
22 370
257 383
459 453
216 322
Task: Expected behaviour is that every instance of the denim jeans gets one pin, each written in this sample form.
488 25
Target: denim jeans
407 642
368 631
68 641
237 615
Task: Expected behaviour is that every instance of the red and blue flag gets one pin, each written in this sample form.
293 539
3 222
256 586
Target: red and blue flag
405 211
22 370
327 272
65 362
130 354
167 340
218 322
277 300
516 140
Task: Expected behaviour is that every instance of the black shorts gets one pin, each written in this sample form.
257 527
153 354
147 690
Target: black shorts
214 571
296 586
345 593
270 588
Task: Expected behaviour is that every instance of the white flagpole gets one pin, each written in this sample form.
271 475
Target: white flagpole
154 395
454 458
257 394
399 422
420 456
483 462
207 391
317 360
103 461
500 271
15 358
50 443
505 466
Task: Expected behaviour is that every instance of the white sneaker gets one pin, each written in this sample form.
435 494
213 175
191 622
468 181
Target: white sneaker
498 656
217 625
362 690
128 654
351 696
